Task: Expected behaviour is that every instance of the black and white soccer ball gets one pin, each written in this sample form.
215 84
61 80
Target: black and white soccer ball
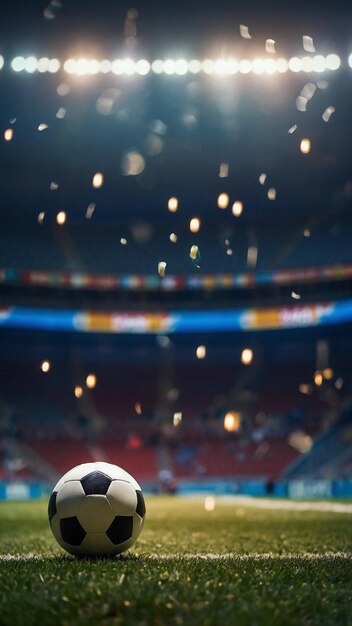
96 509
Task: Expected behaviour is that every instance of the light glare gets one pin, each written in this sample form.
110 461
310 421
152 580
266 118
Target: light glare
223 201
194 225
61 217
172 205
91 381
237 208
305 146
247 356
98 180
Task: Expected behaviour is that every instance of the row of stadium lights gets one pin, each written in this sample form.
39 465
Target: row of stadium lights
180 67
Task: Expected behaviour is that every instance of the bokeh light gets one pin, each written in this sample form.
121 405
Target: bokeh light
247 356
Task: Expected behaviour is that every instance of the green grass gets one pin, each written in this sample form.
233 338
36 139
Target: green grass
170 578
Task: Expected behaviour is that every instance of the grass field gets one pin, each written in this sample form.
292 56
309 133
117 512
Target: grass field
235 566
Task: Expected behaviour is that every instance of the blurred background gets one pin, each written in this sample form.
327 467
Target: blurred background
176 245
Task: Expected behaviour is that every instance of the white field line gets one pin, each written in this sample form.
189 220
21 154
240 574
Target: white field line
211 556
282 505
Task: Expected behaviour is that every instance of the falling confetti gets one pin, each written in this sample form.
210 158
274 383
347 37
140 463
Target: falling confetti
173 237
308 91
292 129
90 210
138 408
194 252
40 217
123 241
244 32
54 185
295 296
322 84
42 127
306 232
177 419
45 366
224 170
270 46
301 103
63 89
161 268
328 113
13 120
308 43
133 164
252 256
229 252
272 193
262 179
60 113
52 9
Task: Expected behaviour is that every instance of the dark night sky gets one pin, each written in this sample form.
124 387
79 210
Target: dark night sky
180 27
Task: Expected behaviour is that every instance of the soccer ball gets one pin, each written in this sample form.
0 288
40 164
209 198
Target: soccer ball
96 509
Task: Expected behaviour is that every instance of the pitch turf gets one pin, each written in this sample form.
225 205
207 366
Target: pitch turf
232 566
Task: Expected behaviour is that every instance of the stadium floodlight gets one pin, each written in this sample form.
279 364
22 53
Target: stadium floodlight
295 64
117 67
169 66
105 66
319 63
70 66
31 64
208 66
220 67
54 66
129 67
82 67
270 66
232 66
333 62
307 64
43 65
157 66
282 65
195 66
93 66
142 67
181 67
258 66
245 66
18 64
